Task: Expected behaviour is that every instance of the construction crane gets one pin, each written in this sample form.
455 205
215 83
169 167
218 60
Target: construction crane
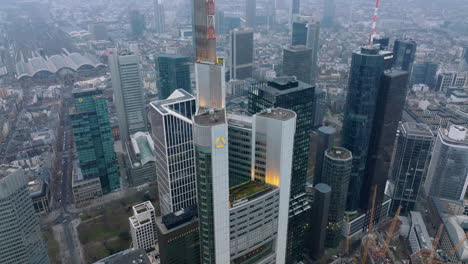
371 226
459 244
435 244
391 229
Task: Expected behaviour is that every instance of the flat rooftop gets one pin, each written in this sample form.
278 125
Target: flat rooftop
143 207
129 256
211 117
250 190
177 96
417 129
6 170
339 153
278 114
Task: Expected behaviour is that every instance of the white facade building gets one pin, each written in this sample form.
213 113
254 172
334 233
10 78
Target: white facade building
143 226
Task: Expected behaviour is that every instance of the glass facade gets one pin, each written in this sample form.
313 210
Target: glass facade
299 97
364 81
93 139
404 52
173 73
242 53
240 153
412 156
326 137
337 165
297 61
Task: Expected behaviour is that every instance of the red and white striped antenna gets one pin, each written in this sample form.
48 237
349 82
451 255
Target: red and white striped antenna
374 21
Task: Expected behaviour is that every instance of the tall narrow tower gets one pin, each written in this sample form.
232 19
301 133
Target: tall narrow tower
205 31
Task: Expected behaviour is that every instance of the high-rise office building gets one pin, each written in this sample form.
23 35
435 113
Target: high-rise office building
21 238
404 52
241 53
93 138
137 23
240 149
336 172
251 13
211 85
319 220
367 66
143 226
178 237
142 159
447 175
384 42
296 7
425 73
297 96
408 172
325 140
128 95
171 130
173 73
204 30
307 33
297 61
259 207
464 60
390 102
328 13
320 107
98 31
158 19
210 133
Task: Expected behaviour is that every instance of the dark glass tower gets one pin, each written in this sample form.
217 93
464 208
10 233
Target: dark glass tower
412 156
173 73
296 7
299 33
384 42
328 13
390 103
326 136
93 138
250 12
404 52
297 61
425 73
319 219
242 53
297 96
307 33
336 172
364 81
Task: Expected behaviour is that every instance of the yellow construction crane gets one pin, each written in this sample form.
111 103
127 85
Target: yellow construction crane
435 244
391 230
371 227
459 244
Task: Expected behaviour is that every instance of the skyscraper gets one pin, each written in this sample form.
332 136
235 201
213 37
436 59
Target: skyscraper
297 61
210 133
211 85
328 13
326 137
365 75
241 54
447 175
336 172
98 31
21 238
173 73
128 94
143 226
384 42
390 102
297 96
464 60
307 33
425 73
250 12
404 52
137 23
319 220
93 138
159 23
204 30
240 149
171 125
412 156
296 7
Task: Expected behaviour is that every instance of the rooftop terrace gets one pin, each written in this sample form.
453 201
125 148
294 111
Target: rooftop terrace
249 190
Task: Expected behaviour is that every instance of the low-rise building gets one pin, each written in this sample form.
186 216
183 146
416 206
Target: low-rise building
40 195
129 256
140 152
143 226
84 191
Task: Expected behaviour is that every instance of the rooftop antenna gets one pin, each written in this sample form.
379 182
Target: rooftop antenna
374 21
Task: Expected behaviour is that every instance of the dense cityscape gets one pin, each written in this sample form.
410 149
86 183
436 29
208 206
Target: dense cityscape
233 131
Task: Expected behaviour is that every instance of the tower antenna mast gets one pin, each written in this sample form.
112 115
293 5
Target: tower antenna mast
374 21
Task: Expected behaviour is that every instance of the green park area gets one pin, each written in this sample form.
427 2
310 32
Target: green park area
106 231
53 247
